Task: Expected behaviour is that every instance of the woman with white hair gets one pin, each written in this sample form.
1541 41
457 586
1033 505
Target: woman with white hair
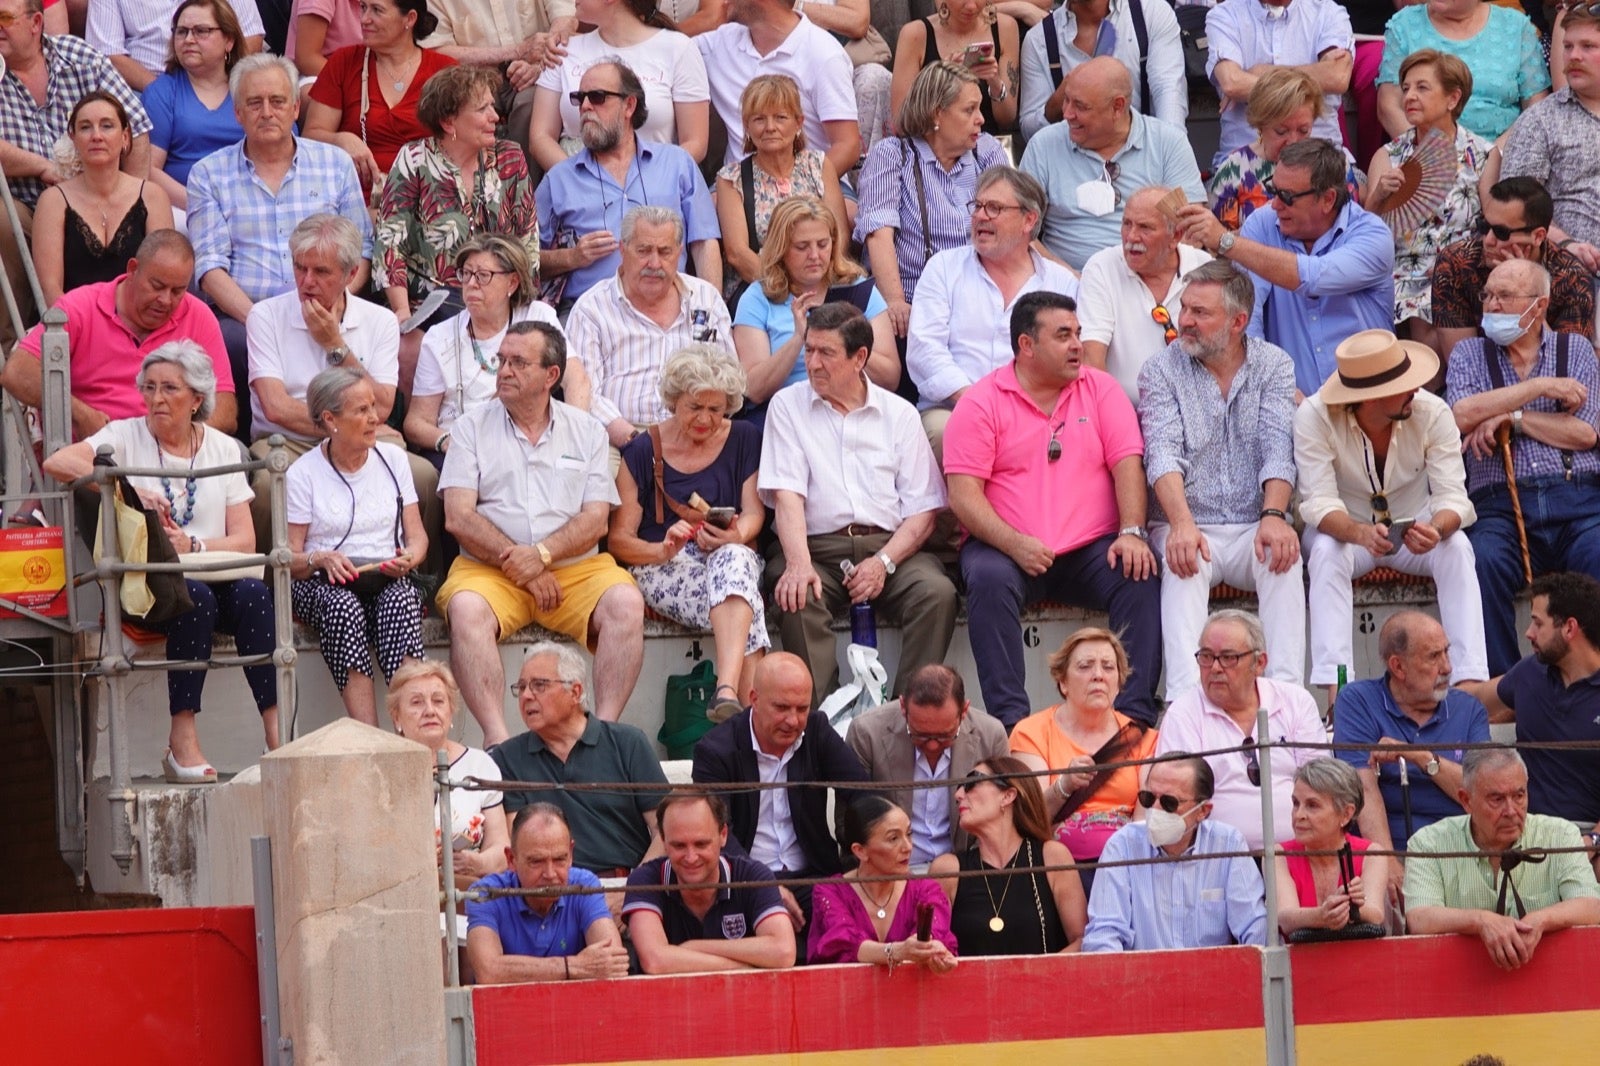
690 513
197 514
356 535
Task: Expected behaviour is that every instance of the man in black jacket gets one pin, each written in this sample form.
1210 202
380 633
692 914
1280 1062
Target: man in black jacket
781 739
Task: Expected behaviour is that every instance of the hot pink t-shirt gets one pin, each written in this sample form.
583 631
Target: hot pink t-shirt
106 355
999 434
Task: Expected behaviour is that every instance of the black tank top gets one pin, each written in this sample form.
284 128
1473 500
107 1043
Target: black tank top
85 260
1032 926
930 54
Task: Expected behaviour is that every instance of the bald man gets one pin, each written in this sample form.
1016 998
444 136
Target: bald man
1128 295
780 739
1101 152
1546 387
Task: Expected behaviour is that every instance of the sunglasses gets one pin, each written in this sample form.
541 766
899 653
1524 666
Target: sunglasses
1288 197
1578 5
1380 508
1052 451
1163 318
978 777
1252 765
1148 800
1503 233
594 97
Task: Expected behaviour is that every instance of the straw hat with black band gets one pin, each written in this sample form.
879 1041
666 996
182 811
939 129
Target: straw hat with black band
1374 364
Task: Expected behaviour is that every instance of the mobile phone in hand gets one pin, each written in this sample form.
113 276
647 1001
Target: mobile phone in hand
1397 533
978 52
721 517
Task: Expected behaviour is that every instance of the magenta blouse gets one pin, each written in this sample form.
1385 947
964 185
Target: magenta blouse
840 923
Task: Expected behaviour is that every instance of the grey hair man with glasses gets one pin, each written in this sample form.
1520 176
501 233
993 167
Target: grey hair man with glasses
612 831
527 492
1221 716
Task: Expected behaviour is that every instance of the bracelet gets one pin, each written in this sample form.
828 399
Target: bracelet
1273 512
566 968
438 445
888 954
1562 244
194 545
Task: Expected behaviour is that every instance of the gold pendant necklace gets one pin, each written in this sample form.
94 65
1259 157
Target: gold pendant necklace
997 924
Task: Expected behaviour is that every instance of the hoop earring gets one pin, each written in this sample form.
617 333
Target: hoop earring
990 15
944 13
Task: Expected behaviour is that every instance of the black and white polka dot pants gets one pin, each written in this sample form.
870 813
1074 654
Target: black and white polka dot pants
349 626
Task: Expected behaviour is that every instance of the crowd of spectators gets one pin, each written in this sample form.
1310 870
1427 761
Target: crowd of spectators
472 271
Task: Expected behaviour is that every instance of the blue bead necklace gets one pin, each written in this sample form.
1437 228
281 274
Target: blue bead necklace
190 488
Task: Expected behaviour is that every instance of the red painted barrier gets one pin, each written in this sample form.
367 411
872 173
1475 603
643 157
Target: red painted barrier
130 987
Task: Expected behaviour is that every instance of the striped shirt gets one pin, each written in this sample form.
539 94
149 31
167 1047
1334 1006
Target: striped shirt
891 197
142 29
623 350
241 226
74 69
1468 375
1472 884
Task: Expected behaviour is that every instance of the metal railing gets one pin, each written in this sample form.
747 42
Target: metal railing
116 662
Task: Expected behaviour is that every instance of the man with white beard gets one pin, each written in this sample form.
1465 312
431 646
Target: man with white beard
1217 412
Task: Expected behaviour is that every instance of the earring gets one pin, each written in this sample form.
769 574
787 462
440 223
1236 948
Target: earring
944 12
936 127
990 14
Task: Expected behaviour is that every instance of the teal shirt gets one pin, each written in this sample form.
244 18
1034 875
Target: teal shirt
1506 60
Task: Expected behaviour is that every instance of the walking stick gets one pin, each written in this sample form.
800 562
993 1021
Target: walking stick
1502 440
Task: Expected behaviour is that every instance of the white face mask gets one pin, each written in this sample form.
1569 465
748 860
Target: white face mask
1166 829
1097 198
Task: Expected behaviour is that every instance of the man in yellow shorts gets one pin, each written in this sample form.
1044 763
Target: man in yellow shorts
527 491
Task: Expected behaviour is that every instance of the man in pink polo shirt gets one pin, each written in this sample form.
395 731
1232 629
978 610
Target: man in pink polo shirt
113 325
1046 469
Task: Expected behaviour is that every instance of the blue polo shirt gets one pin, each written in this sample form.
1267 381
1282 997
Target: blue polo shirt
522 931
1367 712
1561 783
580 196
735 914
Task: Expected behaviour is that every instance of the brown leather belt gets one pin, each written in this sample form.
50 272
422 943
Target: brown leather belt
859 529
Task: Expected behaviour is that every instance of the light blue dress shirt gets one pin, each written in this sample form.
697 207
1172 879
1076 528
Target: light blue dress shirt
1346 286
930 810
1176 904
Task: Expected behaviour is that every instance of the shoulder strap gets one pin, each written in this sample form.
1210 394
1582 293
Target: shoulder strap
1052 49
907 151
747 185
663 501
1491 358
1111 751
1563 343
1141 31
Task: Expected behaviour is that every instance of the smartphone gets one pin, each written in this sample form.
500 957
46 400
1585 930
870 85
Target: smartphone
924 922
721 517
978 52
1397 533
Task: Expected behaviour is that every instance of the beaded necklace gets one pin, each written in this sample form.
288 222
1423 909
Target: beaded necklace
190 488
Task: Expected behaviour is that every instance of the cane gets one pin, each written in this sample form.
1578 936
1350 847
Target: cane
1502 440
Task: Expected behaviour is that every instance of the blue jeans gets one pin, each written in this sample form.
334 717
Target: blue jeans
1562 519
997 590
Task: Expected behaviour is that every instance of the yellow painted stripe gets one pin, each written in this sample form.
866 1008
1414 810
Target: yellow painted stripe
1556 1039
1235 1047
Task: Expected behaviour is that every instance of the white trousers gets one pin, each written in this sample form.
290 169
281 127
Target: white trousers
1186 601
1334 565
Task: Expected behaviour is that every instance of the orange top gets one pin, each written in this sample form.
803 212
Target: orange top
1039 735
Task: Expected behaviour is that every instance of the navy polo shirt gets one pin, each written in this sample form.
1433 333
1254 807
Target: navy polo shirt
734 915
522 931
1565 784
1367 712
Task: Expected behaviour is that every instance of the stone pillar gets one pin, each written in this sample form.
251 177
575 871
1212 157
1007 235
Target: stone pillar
360 976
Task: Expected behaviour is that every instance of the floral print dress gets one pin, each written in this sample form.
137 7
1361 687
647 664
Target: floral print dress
1414 250
428 211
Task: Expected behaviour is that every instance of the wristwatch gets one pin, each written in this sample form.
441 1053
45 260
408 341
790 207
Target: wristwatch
1516 422
1225 245
888 563
544 553
1134 531
1431 767
337 356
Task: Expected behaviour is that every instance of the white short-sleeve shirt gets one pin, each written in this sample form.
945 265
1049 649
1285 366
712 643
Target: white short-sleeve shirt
281 347
669 67
1114 308
351 513
452 367
133 445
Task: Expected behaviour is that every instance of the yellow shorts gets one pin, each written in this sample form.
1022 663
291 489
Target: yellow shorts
582 584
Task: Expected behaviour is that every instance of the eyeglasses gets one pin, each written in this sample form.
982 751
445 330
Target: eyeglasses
481 277
1052 451
1229 659
8 19
1252 765
933 738
1163 318
1503 233
538 685
990 208
1170 804
256 104
165 388
199 33
594 97
519 363
1488 295
1380 508
1288 197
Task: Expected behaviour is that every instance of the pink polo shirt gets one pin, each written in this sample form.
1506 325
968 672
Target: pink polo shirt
998 434
106 355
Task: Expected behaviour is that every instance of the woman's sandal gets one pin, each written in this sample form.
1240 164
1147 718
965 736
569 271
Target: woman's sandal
724 707
186 775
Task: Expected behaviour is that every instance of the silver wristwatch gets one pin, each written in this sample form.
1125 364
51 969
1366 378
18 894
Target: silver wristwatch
1134 531
1225 245
337 356
888 563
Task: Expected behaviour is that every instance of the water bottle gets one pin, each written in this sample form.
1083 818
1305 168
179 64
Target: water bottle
863 625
